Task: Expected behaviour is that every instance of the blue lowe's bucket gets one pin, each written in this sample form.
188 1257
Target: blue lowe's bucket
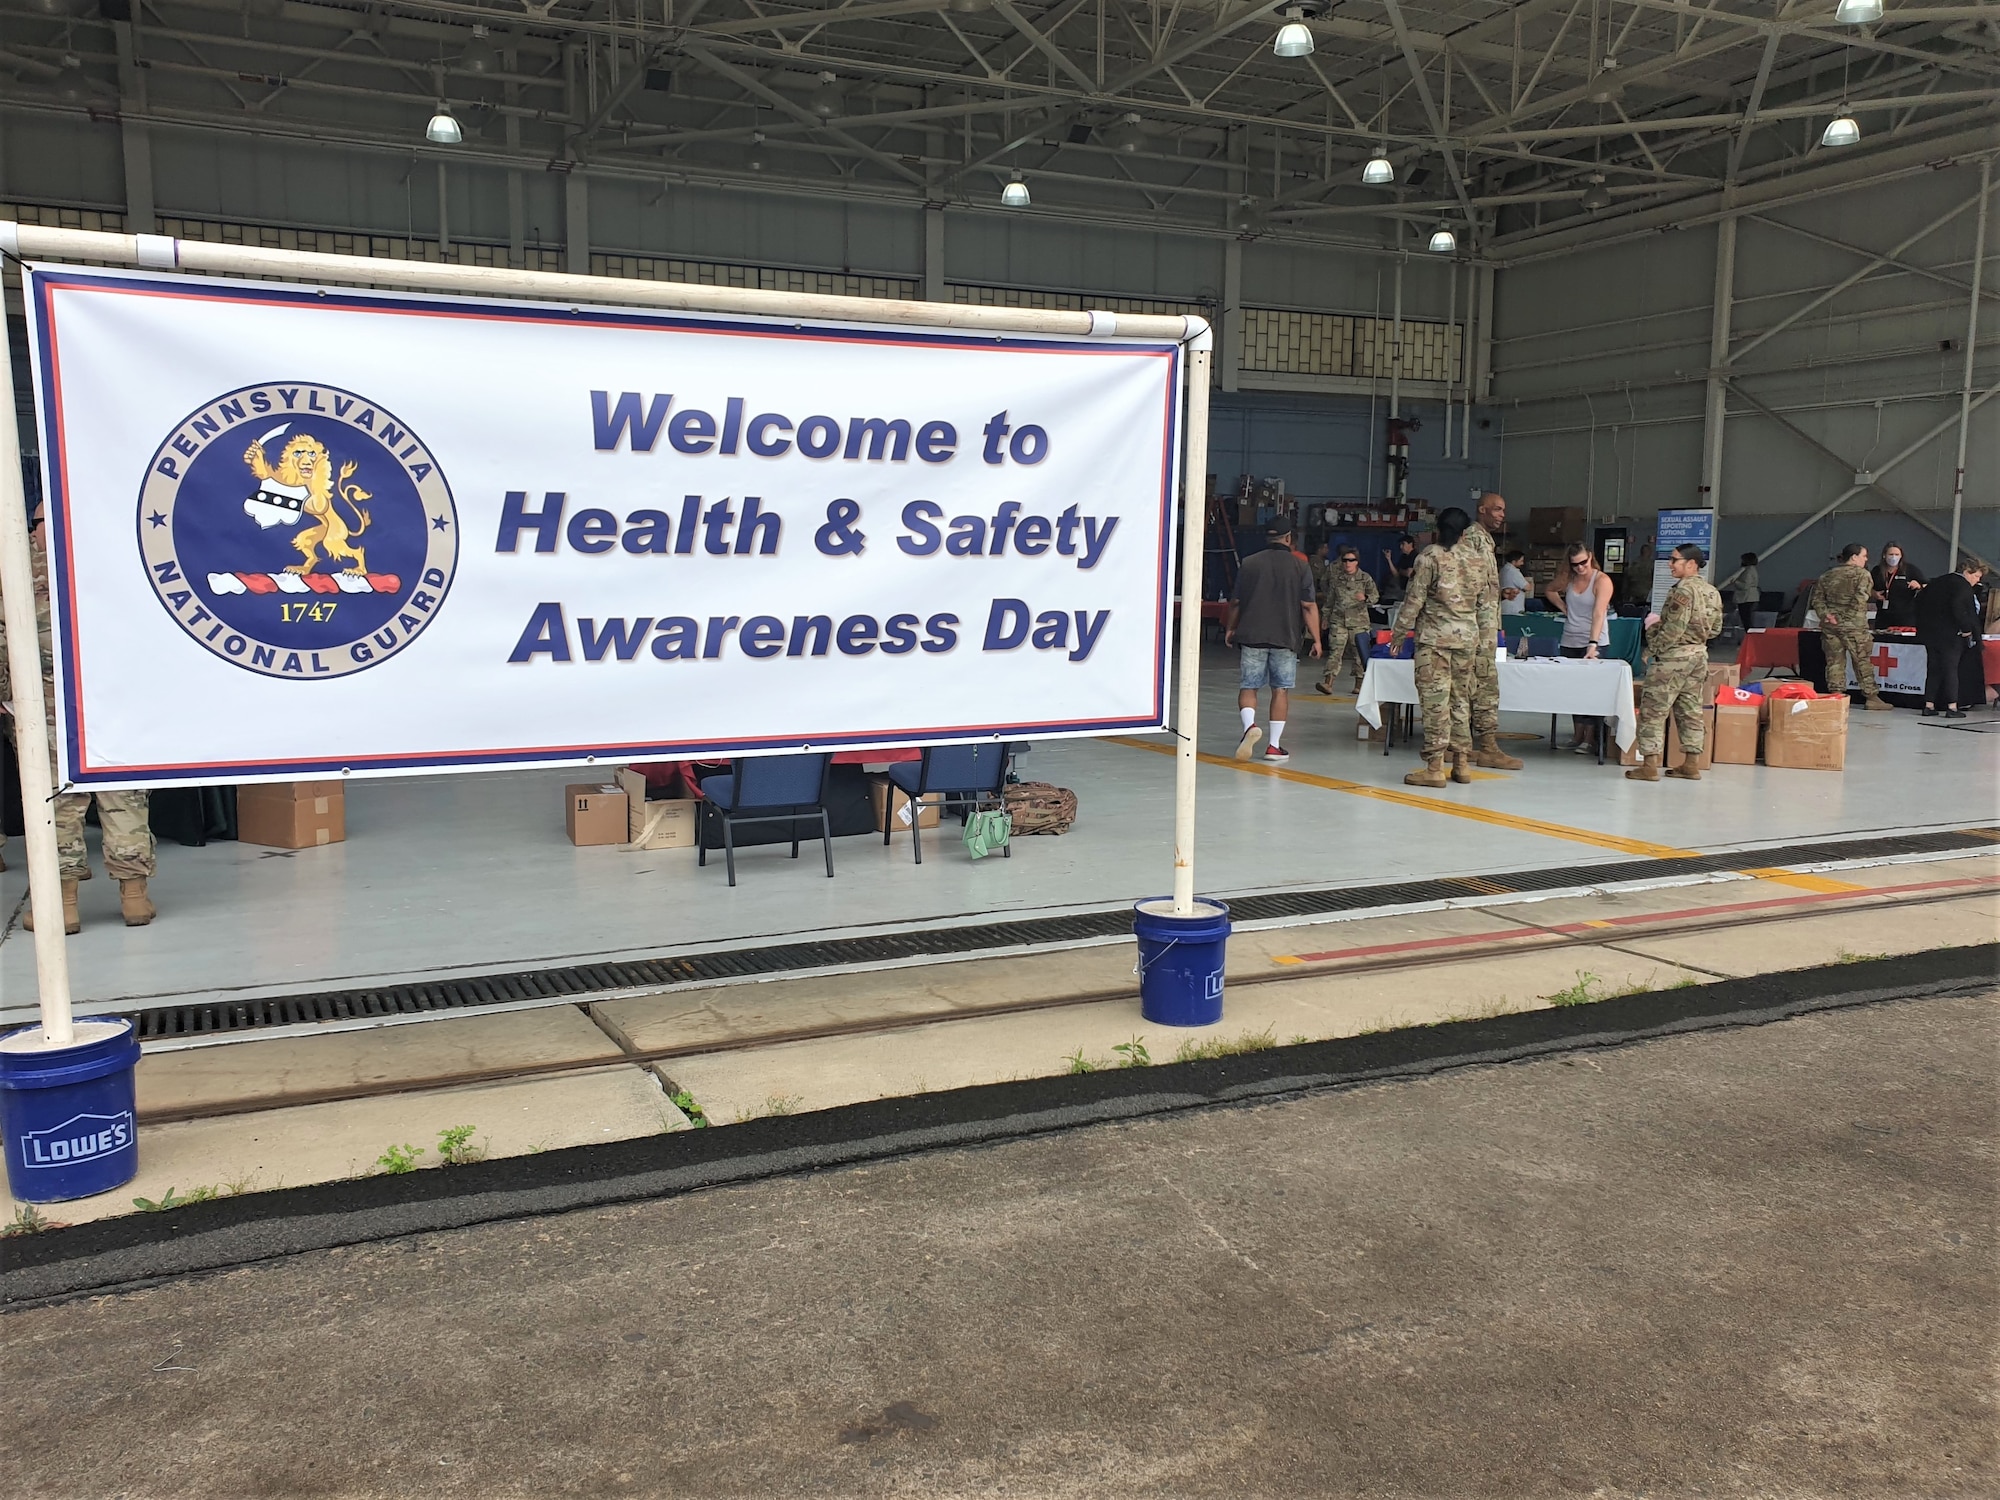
1180 961
66 1112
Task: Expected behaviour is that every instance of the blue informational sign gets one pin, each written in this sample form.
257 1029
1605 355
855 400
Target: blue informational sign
1677 528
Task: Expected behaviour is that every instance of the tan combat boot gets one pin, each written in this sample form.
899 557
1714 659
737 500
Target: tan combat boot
1647 770
134 903
1461 767
1431 775
1874 703
1492 757
72 918
1687 770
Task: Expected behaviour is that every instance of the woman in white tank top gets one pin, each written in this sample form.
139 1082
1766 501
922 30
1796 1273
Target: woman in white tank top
1582 592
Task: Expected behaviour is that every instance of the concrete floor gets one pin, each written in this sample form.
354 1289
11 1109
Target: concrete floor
1750 1263
473 873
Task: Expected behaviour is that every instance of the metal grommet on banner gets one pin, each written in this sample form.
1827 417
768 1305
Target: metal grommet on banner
157 252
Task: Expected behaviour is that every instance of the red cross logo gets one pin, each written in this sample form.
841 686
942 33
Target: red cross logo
1884 659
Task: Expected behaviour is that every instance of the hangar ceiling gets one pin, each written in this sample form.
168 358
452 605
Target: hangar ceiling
1527 127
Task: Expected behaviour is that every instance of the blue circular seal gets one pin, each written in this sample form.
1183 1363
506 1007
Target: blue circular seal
298 530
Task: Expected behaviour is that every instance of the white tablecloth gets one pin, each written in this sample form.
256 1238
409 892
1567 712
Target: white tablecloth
1537 685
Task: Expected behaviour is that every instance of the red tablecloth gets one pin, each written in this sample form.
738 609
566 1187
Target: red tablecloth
667 772
1774 647
1989 652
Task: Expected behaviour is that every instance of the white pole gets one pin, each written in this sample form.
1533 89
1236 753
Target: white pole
1450 327
1971 345
1187 705
31 740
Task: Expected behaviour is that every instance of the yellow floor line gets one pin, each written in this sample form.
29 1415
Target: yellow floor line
1435 803
1803 882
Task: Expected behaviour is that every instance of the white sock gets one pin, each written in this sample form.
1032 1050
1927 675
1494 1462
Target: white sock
1277 732
1249 716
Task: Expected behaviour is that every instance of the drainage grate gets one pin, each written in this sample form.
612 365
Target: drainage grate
584 980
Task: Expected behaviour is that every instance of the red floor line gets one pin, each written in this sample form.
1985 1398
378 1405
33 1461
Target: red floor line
1571 929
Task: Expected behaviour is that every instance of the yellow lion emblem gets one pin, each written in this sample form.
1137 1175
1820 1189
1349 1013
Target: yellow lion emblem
305 464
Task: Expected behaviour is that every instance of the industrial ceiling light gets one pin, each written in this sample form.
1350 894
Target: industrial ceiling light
1443 241
1596 195
1246 217
1843 130
1295 38
480 55
443 129
1015 193
756 161
1858 12
1380 171
829 100
1127 134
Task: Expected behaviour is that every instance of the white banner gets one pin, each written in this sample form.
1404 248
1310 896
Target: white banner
299 532
1899 667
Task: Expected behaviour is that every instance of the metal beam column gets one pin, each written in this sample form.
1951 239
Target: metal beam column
1715 415
1971 347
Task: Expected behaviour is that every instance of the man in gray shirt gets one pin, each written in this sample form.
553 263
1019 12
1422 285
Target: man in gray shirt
1273 600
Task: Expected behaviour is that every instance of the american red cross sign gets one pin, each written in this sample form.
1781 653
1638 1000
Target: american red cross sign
1899 667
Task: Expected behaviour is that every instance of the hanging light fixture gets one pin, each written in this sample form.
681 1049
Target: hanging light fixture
1443 241
829 100
1596 196
443 129
1380 171
757 160
1295 38
1858 12
1127 134
480 55
1842 130
1015 193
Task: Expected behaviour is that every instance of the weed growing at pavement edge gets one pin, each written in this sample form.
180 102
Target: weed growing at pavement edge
1133 1054
176 1199
1578 993
399 1159
1078 1063
455 1148
27 1220
1845 957
1216 1046
685 1103
775 1104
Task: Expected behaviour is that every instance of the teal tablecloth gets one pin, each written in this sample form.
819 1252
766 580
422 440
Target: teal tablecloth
1628 637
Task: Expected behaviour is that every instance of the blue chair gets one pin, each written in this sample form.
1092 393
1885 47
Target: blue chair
969 776
768 789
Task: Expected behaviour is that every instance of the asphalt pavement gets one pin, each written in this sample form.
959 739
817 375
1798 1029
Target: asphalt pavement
1757 1261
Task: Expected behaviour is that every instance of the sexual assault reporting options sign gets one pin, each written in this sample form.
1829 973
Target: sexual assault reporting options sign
298 531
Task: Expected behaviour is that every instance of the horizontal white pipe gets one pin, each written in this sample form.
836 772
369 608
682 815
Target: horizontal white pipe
37 242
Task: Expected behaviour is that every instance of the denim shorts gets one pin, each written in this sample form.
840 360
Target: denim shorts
1270 666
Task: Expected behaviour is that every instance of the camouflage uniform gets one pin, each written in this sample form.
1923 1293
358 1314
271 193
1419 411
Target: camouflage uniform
1442 608
1677 666
1343 606
1485 710
1842 591
128 836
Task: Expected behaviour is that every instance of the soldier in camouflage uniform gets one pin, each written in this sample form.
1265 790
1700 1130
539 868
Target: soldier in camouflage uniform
1442 609
1840 599
1485 714
1677 668
1343 605
128 836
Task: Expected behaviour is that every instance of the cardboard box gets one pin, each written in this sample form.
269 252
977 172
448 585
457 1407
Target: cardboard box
663 822
594 813
292 814
1732 734
1807 734
1555 526
880 791
1720 675
1675 754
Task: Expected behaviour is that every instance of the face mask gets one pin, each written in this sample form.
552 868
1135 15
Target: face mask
1894 559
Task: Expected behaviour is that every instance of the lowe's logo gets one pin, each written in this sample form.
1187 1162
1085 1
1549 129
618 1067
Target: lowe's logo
81 1138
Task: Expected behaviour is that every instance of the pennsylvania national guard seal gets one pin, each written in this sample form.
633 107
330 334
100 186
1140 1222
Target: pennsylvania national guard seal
298 530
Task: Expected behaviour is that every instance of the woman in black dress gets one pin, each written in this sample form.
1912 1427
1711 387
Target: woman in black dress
1947 620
